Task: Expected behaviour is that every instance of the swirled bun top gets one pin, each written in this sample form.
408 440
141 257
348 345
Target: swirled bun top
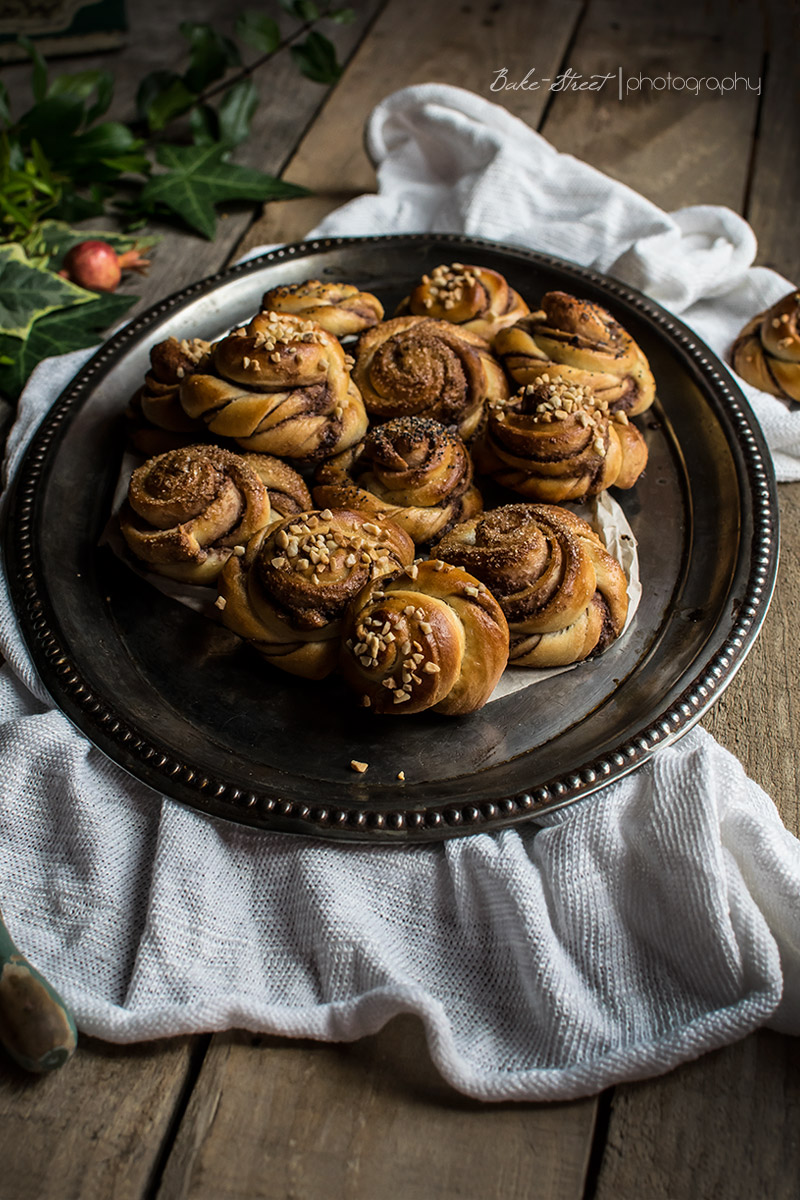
339 308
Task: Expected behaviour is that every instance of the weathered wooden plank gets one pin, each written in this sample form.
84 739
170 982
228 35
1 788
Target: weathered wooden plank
357 1121
95 1128
725 1126
776 164
758 716
288 103
674 146
417 42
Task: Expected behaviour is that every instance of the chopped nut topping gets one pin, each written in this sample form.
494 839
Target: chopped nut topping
358 766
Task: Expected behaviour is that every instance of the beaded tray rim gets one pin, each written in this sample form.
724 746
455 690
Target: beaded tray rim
162 766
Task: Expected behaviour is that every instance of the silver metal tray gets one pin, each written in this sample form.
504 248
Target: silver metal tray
187 709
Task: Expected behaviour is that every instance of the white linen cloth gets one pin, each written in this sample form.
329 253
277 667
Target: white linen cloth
621 937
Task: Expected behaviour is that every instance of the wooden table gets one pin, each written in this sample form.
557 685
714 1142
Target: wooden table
237 1115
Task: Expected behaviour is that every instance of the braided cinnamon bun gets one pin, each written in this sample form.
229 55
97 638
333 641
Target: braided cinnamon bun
767 352
189 508
340 308
474 298
280 385
287 491
563 594
428 637
580 342
412 470
556 441
288 593
415 366
157 420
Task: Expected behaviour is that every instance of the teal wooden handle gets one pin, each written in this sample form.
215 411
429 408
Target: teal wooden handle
36 1027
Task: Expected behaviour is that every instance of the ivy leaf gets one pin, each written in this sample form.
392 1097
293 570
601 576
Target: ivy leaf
316 59
39 75
53 122
204 125
236 111
259 31
82 86
110 139
161 96
342 16
57 333
211 55
28 292
5 104
75 206
198 177
306 10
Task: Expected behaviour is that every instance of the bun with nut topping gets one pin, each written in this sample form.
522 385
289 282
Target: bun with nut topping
555 441
413 470
474 298
564 596
428 637
338 308
279 385
581 343
767 352
287 595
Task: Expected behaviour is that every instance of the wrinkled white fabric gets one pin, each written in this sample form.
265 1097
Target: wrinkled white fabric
623 936
448 160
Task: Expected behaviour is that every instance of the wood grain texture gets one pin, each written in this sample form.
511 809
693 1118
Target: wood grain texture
94 1129
776 162
453 42
725 1127
758 716
674 147
271 1118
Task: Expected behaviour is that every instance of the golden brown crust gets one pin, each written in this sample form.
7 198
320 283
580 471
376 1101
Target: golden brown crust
156 420
767 352
580 342
564 596
474 298
428 637
188 508
288 593
287 491
412 470
554 441
280 386
339 308
415 366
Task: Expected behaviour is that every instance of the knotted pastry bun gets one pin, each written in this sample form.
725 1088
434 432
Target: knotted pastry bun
286 489
580 342
414 471
428 637
767 352
474 298
564 596
288 593
556 441
339 308
158 421
188 508
280 385
415 366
